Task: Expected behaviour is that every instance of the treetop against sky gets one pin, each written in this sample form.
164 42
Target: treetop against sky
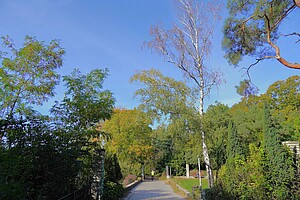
110 34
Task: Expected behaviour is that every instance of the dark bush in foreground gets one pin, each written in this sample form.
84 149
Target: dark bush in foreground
112 191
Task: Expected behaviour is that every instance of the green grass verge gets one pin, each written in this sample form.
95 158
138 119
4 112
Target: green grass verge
188 183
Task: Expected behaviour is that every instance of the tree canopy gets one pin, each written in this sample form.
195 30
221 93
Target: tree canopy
85 103
253 29
28 75
163 96
130 138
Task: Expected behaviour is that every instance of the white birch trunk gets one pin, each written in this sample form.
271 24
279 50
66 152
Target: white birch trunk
204 147
185 46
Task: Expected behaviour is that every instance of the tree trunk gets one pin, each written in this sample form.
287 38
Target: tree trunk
207 162
288 64
143 175
204 147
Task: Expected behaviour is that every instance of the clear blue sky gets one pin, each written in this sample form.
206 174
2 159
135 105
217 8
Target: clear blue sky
110 33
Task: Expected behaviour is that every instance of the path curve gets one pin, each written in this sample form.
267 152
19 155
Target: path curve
153 190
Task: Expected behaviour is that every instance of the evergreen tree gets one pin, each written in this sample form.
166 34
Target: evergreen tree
230 172
277 163
233 148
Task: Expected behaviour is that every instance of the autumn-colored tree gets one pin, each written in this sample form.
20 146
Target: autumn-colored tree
130 139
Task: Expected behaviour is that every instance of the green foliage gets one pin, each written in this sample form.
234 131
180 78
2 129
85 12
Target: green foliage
284 93
85 106
277 163
246 28
231 172
247 117
284 97
246 88
261 169
233 148
172 104
257 165
85 103
215 121
28 75
39 164
112 191
163 151
112 168
162 96
188 184
46 158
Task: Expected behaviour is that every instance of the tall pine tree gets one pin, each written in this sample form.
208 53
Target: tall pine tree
277 162
230 172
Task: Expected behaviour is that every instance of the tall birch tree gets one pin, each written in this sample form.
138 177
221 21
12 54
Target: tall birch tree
186 46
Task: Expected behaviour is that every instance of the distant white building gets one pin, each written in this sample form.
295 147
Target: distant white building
294 148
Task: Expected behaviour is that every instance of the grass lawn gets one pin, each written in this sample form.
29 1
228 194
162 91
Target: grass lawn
188 183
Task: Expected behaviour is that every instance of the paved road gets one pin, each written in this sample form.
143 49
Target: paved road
153 190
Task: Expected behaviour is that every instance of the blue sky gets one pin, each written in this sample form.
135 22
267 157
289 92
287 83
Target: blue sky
110 33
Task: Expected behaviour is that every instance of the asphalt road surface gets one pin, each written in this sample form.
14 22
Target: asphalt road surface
152 190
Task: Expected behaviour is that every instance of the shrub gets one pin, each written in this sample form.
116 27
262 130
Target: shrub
112 168
112 191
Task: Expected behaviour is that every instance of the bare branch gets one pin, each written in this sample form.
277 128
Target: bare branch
255 63
278 57
291 34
